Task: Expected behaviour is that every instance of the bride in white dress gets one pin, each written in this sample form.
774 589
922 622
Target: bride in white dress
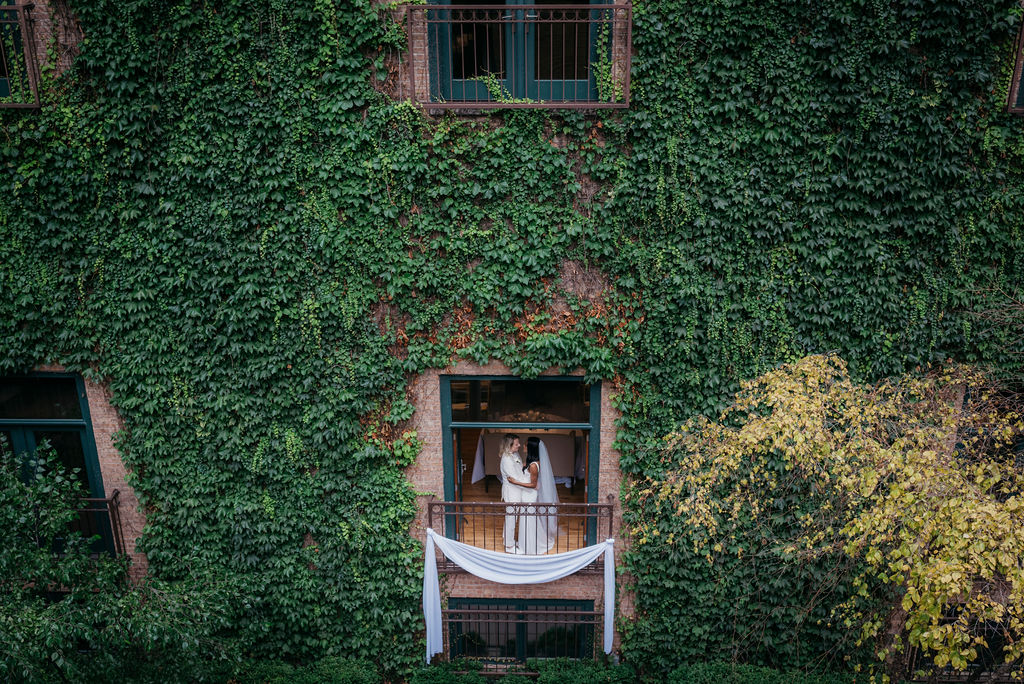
539 528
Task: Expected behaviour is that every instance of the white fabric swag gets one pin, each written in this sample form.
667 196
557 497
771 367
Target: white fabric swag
510 569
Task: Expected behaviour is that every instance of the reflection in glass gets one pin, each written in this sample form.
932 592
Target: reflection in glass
562 49
39 398
477 47
67 445
520 401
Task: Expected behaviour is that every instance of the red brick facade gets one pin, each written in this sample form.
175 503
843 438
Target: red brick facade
51 25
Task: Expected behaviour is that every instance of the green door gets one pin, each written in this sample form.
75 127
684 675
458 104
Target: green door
560 46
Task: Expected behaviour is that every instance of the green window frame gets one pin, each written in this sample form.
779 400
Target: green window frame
507 43
592 427
465 641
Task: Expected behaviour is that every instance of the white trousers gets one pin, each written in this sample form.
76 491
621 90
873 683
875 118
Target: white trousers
509 533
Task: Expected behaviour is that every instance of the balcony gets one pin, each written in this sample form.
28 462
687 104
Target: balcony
571 55
100 518
501 635
18 70
481 524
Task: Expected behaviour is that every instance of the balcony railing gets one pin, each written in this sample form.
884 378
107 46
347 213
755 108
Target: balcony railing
481 524
502 638
18 74
568 56
101 518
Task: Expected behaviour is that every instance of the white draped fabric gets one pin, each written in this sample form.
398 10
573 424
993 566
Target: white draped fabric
510 569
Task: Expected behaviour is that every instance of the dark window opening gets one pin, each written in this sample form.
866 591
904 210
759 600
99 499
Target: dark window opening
520 401
501 631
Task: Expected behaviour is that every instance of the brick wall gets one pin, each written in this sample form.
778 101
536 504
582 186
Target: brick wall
51 24
427 477
105 424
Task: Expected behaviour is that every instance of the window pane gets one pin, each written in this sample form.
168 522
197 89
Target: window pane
562 49
35 398
68 448
13 70
477 46
520 401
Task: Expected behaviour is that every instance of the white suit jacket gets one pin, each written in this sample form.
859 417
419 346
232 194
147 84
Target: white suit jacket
512 466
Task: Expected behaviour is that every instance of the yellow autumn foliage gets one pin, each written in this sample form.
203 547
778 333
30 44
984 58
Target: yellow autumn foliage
914 480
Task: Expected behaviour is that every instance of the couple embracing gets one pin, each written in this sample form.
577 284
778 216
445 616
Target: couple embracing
525 484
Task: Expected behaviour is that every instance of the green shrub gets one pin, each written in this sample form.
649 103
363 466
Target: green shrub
326 671
458 672
102 628
730 673
515 679
562 671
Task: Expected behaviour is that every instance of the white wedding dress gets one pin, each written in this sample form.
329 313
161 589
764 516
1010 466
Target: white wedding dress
538 530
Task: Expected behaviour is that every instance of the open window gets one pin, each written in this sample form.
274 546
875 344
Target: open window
18 75
541 53
561 412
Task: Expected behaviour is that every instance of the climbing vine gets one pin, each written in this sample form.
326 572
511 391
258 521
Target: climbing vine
223 213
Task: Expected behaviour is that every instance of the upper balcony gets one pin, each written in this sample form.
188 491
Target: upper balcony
100 519
544 55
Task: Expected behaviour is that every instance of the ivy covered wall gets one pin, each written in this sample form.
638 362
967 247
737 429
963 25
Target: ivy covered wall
221 213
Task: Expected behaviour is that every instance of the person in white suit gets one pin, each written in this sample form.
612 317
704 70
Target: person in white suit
515 489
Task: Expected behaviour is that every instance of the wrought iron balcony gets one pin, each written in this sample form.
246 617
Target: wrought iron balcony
101 518
569 55
503 634
19 76
481 524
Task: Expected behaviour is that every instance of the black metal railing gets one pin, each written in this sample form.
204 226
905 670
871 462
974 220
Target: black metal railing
18 73
500 638
539 528
574 56
101 518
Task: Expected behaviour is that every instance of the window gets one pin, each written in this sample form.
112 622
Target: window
51 408
17 63
496 631
1016 100
543 53
563 411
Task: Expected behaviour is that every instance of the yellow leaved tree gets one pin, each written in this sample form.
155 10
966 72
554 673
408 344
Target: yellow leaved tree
912 481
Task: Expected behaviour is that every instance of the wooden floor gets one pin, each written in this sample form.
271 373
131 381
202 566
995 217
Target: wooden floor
485 530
